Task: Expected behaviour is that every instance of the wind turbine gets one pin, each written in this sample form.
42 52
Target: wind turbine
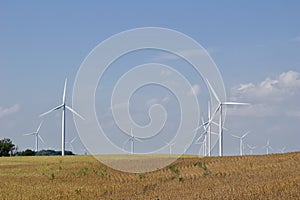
170 144
282 149
37 137
251 148
207 131
63 106
267 147
71 143
220 109
203 143
132 139
241 141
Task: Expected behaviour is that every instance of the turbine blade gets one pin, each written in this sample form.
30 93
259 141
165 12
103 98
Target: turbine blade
40 137
38 129
196 129
208 110
235 103
246 134
202 120
199 138
30 133
214 133
73 111
235 136
126 141
270 147
131 132
215 123
53 109
213 115
213 91
137 139
73 140
205 124
64 93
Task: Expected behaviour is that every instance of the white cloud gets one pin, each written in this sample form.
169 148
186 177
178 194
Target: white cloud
165 72
272 96
297 38
9 111
165 99
285 85
195 90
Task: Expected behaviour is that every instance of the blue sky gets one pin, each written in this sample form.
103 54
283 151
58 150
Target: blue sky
255 45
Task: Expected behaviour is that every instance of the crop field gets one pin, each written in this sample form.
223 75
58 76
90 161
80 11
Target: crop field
274 176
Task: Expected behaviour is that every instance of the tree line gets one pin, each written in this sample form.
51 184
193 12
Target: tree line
7 148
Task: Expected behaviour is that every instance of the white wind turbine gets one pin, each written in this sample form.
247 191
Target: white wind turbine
71 143
203 143
132 139
220 109
251 148
202 147
282 150
241 141
63 106
170 144
268 146
206 143
37 137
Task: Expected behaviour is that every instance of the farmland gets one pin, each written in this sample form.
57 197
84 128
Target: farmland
274 176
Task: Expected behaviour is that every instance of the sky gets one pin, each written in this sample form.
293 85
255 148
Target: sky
254 44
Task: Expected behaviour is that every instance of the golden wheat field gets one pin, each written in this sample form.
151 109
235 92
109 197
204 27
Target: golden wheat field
82 177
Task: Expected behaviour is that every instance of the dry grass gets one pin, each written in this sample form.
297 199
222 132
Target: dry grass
83 177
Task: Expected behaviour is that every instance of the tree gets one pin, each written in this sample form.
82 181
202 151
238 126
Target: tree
6 147
27 152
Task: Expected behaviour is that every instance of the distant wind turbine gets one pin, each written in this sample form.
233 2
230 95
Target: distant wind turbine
282 150
170 144
132 139
251 148
63 106
241 141
220 110
267 147
71 143
37 137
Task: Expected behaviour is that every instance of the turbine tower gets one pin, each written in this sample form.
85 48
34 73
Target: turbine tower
220 110
37 137
132 139
241 141
63 106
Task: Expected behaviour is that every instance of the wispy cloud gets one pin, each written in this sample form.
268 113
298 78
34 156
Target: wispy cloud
195 90
9 111
297 38
165 72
